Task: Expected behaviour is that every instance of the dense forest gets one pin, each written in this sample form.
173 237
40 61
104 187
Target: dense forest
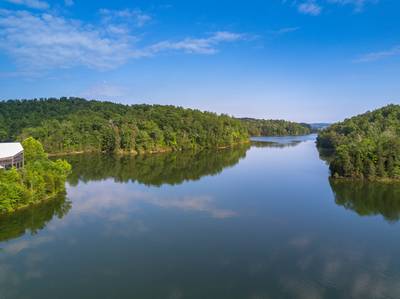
365 146
69 125
76 125
40 179
263 127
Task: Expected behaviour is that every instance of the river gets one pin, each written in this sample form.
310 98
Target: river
260 221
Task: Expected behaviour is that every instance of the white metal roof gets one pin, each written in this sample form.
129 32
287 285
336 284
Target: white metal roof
10 149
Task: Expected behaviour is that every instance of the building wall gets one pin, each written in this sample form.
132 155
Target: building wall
16 161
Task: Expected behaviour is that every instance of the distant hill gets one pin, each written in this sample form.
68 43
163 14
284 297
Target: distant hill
263 127
365 146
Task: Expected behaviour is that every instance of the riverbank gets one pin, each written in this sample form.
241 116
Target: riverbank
32 204
365 180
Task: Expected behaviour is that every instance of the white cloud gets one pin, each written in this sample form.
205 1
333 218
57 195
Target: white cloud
43 41
129 16
310 8
127 200
315 7
37 4
198 45
374 56
284 30
358 4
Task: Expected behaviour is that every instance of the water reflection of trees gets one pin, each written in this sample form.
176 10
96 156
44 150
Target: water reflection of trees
369 198
272 144
156 169
33 219
326 155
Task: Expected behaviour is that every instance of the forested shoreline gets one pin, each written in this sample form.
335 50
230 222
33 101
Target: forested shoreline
366 146
271 127
76 125
70 125
38 180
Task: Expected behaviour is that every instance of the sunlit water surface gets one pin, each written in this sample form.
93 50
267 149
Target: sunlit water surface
259 221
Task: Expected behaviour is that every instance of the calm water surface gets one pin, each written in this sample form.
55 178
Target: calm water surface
260 221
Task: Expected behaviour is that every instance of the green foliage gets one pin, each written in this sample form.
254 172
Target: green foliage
263 127
76 125
365 146
38 180
33 150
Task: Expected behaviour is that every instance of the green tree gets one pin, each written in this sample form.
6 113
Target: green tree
33 150
365 146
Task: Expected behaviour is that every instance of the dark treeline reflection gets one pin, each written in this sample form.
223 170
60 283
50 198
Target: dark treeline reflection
262 144
33 219
368 198
155 169
326 155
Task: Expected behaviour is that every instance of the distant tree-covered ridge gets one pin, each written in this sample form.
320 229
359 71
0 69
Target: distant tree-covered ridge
68 125
366 146
264 127
39 179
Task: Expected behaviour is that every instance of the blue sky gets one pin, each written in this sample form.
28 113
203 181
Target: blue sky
302 60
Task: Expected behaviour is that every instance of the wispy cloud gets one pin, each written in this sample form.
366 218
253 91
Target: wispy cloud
284 30
315 7
41 41
128 16
198 45
69 2
310 8
374 56
37 4
358 4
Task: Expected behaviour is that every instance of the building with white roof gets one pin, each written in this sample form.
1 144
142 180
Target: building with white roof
11 155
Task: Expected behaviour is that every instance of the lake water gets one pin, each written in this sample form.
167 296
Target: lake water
259 221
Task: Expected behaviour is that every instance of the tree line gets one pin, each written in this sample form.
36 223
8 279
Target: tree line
366 146
73 125
270 127
67 125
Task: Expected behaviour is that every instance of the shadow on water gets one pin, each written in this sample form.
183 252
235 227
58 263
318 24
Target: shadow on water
265 144
368 198
364 197
280 141
156 169
326 155
33 219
